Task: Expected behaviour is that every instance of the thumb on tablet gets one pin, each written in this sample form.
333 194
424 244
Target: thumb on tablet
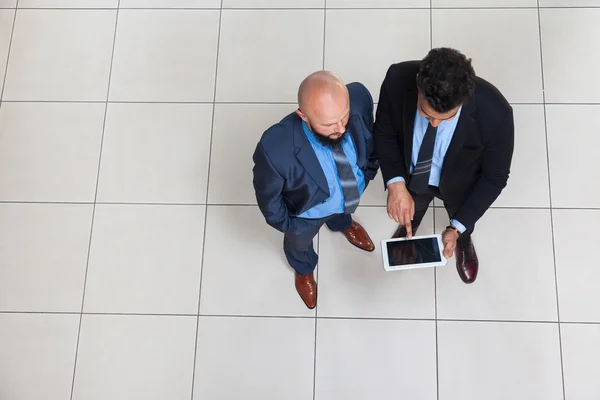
448 251
449 246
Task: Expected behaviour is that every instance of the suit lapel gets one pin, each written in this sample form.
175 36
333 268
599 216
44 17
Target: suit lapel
466 127
307 157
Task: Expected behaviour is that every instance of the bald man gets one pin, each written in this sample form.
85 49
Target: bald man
311 168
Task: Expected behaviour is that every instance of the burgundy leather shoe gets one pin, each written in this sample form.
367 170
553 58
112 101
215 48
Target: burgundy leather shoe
357 235
307 289
401 231
467 264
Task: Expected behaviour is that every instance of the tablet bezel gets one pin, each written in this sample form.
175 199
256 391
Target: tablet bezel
388 267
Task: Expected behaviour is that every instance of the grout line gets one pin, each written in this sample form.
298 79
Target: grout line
316 318
68 8
442 320
324 33
57 101
41 312
142 314
244 102
314 394
315 360
538 208
149 204
260 316
47 202
125 314
210 143
310 8
10 40
102 203
398 319
513 8
212 129
87 264
159 102
562 370
292 8
430 24
108 203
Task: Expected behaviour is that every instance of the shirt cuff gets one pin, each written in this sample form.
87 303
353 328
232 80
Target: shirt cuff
396 179
461 228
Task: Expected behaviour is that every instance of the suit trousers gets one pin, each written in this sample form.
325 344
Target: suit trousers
298 243
422 202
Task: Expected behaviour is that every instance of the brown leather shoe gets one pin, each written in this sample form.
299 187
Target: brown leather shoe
307 289
401 231
467 263
357 235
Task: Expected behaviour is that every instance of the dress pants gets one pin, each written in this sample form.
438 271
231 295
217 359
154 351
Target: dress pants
422 202
298 242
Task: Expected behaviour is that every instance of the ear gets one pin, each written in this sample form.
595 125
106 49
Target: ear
302 115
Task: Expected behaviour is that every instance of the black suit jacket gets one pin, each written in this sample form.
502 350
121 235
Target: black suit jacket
477 164
288 178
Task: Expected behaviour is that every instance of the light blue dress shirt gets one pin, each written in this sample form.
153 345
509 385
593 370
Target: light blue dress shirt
444 135
335 203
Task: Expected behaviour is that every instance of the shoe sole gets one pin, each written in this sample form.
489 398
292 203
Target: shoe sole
358 247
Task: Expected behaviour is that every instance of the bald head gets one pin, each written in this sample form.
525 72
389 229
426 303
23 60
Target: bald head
324 104
319 90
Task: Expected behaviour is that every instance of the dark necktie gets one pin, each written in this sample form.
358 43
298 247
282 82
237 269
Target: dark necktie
347 179
419 182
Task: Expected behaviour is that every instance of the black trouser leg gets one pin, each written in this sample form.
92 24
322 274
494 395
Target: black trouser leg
422 202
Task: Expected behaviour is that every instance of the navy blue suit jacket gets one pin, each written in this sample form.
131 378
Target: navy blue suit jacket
288 178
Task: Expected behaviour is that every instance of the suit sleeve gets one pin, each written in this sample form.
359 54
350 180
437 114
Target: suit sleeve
388 143
495 168
372 159
268 186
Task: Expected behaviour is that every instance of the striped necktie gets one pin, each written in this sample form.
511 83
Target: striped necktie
347 179
419 181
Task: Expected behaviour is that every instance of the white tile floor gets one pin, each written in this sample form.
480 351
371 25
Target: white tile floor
126 134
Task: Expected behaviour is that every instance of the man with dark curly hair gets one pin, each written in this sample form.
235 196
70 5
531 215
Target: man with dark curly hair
440 131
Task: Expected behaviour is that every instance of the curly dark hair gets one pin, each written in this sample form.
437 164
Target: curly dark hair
446 79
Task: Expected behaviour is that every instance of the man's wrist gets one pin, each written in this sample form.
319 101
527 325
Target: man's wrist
398 185
454 229
395 180
458 225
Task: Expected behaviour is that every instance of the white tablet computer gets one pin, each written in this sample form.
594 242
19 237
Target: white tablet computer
417 252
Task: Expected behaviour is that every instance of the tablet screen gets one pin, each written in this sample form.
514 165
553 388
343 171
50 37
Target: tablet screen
414 251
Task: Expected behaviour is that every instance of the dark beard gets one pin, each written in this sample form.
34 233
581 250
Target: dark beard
327 141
